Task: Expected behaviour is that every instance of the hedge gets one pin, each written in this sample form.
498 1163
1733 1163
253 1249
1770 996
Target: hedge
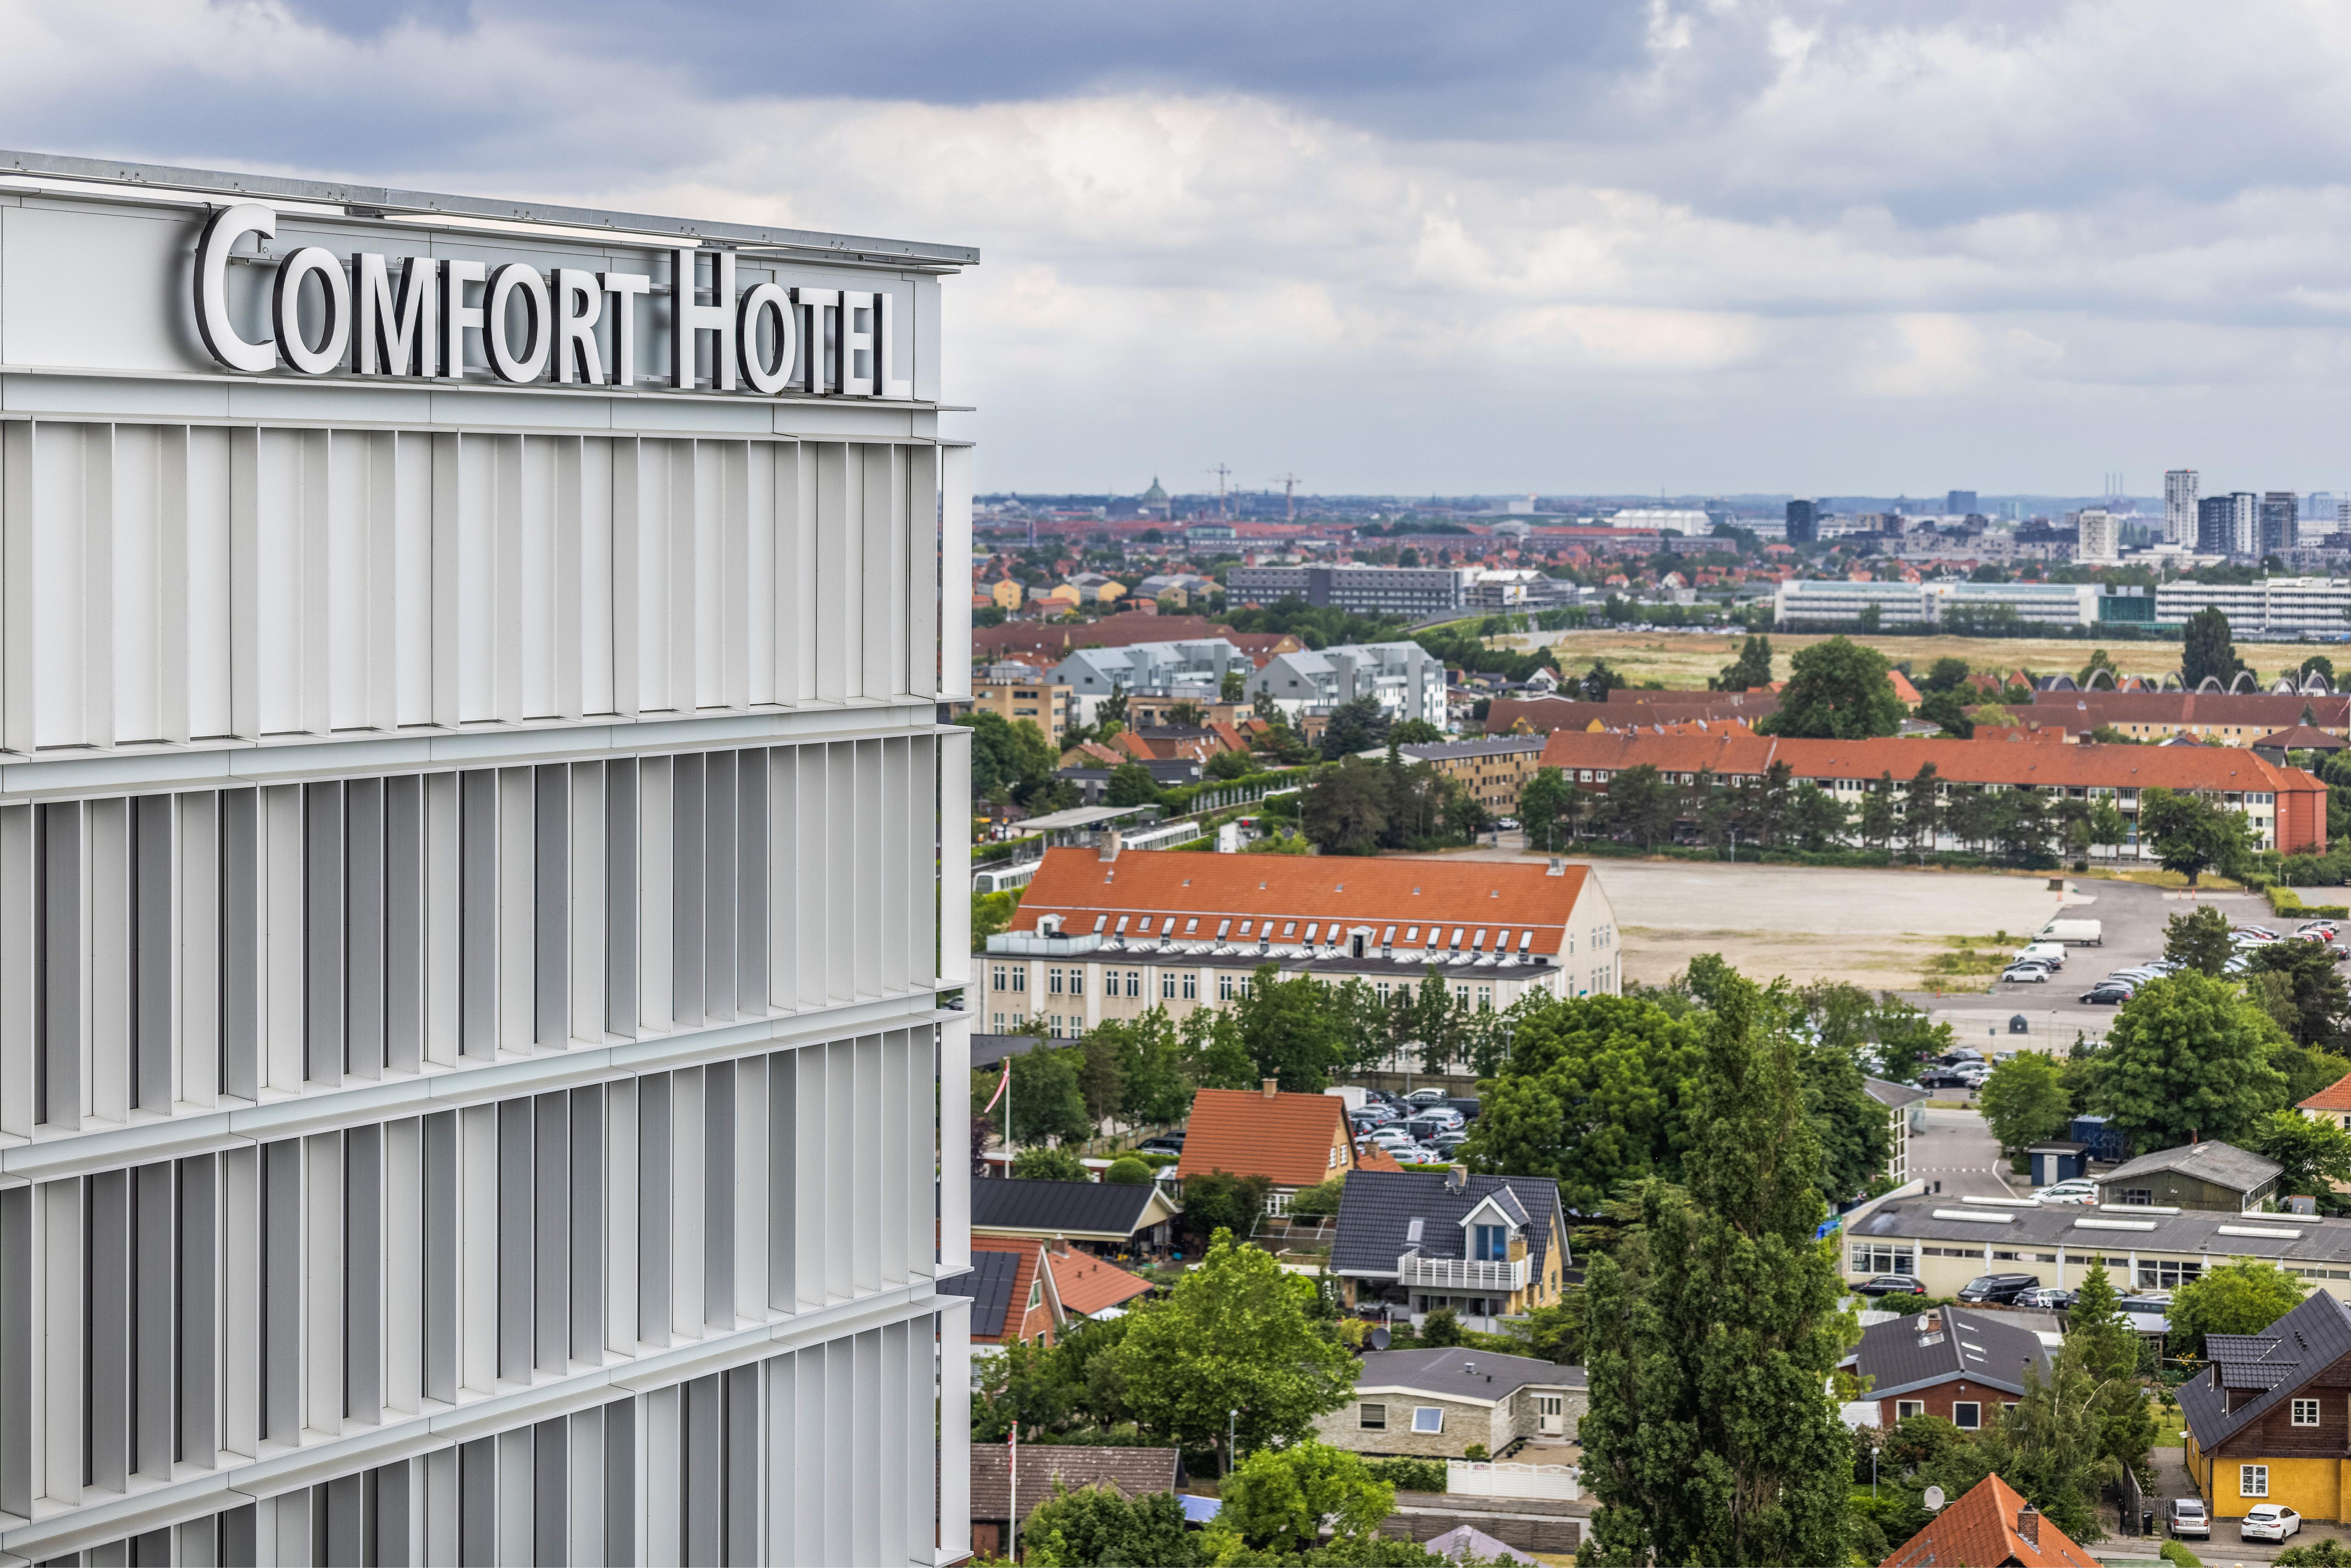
1408 1475
2284 901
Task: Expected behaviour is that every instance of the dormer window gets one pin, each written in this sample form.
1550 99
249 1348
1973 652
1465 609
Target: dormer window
1490 1243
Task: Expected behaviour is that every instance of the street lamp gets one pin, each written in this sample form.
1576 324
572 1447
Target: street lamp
1232 1431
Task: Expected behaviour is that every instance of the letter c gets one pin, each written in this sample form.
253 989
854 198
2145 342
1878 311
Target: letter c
221 234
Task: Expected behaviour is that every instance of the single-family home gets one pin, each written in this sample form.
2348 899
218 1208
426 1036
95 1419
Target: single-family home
1294 1141
1043 1467
1091 1287
1487 1246
1436 1404
1012 1291
1106 1218
2206 1176
2267 1418
2332 1104
1990 1526
1952 1362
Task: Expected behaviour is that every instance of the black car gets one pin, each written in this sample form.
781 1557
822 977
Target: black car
1171 1143
2107 995
2048 1297
1998 1289
1891 1285
1946 1079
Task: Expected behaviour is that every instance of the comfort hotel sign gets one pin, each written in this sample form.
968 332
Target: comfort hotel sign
409 316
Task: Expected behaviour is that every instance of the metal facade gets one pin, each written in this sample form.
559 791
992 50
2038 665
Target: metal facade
470 1064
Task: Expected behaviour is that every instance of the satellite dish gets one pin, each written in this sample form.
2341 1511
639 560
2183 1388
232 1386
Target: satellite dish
1933 1499
1377 1339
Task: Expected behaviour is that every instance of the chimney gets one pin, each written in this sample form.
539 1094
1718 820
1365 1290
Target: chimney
2028 1523
1109 845
1456 1177
1272 1087
1558 867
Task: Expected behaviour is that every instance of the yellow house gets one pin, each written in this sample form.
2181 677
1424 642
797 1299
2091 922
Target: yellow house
1006 593
2269 1419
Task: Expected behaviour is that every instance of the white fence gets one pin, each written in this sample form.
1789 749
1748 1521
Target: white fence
1465 1477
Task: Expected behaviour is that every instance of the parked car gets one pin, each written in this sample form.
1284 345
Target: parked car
2108 993
2048 1298
1891 1285
1946 1078
1957 1054
2155 1301
2269 1521
2024 975
1388 1135
2051 953
1445 1144
2263 932
2076 1190
2187 1518
1998 1289
1166 1143
1424 1097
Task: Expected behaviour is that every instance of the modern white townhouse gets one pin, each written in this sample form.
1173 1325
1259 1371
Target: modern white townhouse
1406 679
470 1052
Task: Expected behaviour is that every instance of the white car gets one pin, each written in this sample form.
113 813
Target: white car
2269 1521
2024 975
2076 1190
1389 1137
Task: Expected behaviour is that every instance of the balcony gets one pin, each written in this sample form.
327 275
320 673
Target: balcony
1461 1274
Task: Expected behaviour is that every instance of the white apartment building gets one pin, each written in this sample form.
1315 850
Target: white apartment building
2275 607
470 1052
1928 603
1664 519
2179 506
2100 536
1093 673
1406 678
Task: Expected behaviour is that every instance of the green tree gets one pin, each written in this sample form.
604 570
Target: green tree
1290 1033
2205 650
2024 1100
1112 709
1219 1200
1554 1332
1878 821
2314 995
2316 1154
1236 1333
1818 817
2109 1349
1838 690
1922 812
2190 834
1154 1088
1597 1094
1441 1328
992 913
1356 726
1233 687
1037 1162
1227 765
1906 1039
2109 829
2048 1447
1546 807
1345 808
1711 1437
1283 1500
1752 668
1044 1101
1214 1055
1131 784
1849 1126
1322 1197
1641 807
1127 1171
2198 940
1949 709
1097 1525
1102 1075
2187 1058
1415 732
1944 675
2240 1296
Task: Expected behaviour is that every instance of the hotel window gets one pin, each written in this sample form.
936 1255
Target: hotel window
1020 977
1966 1414
1906 1408
2305 1412
2167 1275
999 1023
1372 1417
1167 986
1053 982
1223 987
1077 982
1461 995
1134 982
1382 988
998 983
1191 986
2252 1481
1485 998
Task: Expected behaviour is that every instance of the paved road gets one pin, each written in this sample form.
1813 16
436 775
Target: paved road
1955 1148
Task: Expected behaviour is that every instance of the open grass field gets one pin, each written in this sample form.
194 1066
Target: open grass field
1688 659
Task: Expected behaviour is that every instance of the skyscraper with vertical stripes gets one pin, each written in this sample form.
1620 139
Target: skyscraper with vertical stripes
471 1069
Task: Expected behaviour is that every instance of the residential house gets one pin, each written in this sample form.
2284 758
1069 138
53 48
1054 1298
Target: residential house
1015 692
2332 1104
2231 719
1111 933
1405 679
1090 1286
1487 1246
1005 595
2267 1418
1493 769
1045 1467
1541 716
1011 1291
1111 1218
1437 1404
1294 1141
1899 1100
1954 1363
1991 1526
1094 588
2207 1176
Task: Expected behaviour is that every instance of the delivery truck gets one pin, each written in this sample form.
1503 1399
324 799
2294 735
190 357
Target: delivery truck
2072 933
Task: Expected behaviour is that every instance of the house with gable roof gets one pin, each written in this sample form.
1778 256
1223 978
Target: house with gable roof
2269 1418
1991 1526
1294 1141
1487 1246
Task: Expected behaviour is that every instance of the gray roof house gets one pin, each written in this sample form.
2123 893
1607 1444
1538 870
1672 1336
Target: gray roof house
2269 1397
1103 1213
2207 1176
1090 673
1922 1363
1407 680
1436 1403
1486 1246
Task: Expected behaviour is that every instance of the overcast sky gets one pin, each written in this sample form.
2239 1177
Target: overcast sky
1872 246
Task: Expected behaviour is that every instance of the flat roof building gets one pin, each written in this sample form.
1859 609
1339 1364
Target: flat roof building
1408 591
469 1047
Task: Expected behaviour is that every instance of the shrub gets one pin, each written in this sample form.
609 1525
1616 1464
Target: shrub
1039 1163
1128 1171
1321 1198
1408 1475
1441 1328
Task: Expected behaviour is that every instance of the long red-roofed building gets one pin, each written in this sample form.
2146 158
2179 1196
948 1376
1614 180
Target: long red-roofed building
1105 935
2286 806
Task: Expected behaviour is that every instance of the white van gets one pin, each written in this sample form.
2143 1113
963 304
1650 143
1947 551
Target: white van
2049 952
2072 933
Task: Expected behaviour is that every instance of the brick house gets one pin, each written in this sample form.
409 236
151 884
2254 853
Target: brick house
1435 1403
1960 1365
1990 1526
1294 1141
1012 1293
1130 1473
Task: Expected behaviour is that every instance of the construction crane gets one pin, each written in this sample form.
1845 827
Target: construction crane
1288 483
1222 474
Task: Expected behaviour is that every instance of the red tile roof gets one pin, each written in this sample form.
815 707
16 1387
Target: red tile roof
1287 1138
2336 1096
1087 1284
1021 1322
1980 1530
1156 892
2248 710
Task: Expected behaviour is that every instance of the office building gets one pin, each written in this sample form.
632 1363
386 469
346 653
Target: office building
1804 522
2274 607
1839 602
1104 935
1406 679
1407 591
470 1051
1665 519
2229 525
2280 514
1960 503
2180 519
2099 540
1493 769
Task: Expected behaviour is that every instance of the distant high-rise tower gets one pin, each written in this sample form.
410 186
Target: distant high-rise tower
2278 520
2230 524
1960 503
2179 507
2100 536
1804 522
